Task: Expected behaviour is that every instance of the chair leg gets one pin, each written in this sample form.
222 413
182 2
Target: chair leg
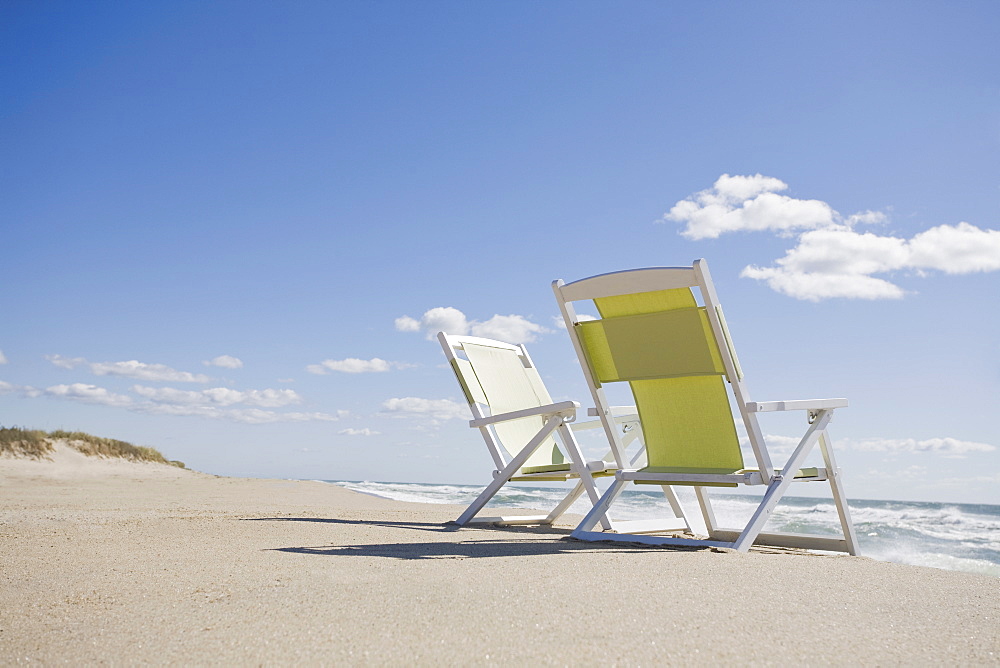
779 484
600 509
481 500
706 509
502 477
760 516
839 498
675 504
586 479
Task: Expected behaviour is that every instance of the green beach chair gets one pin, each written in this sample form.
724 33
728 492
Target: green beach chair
676 356
518 420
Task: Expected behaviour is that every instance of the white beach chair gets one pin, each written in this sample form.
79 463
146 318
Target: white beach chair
517 418
675 357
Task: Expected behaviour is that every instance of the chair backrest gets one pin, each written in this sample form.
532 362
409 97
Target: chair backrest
498 377
675 356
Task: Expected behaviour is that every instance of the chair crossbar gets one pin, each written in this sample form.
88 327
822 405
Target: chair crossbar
806 541
512 520
722 538
752 478
749 477
644 539
650 526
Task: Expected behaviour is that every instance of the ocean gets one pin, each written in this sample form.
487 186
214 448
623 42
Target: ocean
951 536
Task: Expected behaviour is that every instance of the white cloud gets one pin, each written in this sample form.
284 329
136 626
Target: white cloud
942 446
775 442
89 394
511 328
958 249
407 324
149 372
445 319
3 358
358 432
257 416
439 409
65 362
245 415
216 403
219 396
225 361
747 203
559 323
839 262
130 369
777 446
353 365
24 390
831 259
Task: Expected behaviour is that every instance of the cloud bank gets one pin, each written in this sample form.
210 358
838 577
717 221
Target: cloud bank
89 394
219 396
780 445
437 409
942 446
130 369
830 259
218 403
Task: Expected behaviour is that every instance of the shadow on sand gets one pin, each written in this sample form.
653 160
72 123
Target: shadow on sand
471 545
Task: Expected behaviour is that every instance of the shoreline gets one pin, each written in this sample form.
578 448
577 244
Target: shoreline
147 563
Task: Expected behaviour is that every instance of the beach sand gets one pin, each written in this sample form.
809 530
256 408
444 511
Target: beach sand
127 563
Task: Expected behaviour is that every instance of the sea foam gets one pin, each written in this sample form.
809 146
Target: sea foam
951 536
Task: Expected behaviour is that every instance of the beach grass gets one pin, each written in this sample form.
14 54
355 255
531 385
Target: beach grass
38 444
24 442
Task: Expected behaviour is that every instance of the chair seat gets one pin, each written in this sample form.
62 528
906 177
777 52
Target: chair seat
659 474
596 468
550 468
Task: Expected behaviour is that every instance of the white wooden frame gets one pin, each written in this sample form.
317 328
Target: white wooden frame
558 418
820 413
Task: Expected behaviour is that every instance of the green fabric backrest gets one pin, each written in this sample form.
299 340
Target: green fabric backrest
681 395
501 378
618 348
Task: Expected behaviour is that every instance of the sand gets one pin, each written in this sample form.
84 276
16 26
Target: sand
109 562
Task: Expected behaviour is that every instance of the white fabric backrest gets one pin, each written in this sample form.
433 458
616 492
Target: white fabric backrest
507 382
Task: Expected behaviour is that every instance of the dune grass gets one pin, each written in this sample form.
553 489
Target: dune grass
38 445
24 442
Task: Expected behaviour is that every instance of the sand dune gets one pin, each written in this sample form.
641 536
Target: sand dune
117 562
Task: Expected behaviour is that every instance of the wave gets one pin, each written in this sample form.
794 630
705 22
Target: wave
958 537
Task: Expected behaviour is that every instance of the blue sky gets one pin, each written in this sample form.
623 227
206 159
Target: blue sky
227 226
